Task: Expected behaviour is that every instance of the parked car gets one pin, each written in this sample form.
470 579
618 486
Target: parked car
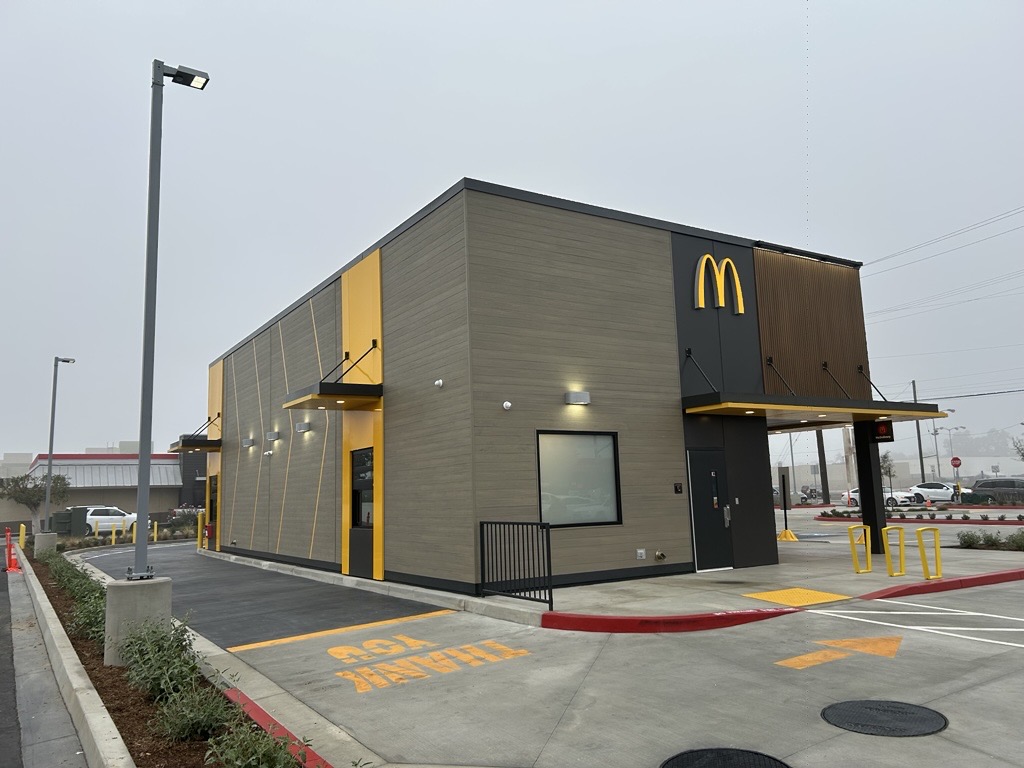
105 519
933 492
802 496
892 498
999 490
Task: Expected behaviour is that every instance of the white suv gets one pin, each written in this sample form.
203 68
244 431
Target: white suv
107 519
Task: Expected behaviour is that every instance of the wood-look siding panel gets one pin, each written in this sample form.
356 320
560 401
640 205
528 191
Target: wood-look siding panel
561 300
810 312
430 525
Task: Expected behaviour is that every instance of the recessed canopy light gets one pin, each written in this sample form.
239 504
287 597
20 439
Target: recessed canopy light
321 407
803 421
340 402
882 418
778 431
822 415
748 412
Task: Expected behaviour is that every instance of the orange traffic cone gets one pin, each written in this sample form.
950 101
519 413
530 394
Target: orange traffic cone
927 502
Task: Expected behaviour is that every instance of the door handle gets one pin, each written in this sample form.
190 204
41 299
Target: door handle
728 515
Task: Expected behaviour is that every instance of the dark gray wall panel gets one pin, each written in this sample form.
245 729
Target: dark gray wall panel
562 300
428 503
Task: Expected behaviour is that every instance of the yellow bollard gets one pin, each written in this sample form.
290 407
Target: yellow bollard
135 532
924 555
200 527
888 551
155 526
21 536
853 548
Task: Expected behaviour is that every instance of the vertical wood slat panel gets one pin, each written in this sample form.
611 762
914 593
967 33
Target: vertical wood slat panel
810 311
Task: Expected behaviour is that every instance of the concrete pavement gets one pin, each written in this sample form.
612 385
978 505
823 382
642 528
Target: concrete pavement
485 686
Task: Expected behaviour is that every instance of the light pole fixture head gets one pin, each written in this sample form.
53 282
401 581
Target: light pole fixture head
193 78
65 359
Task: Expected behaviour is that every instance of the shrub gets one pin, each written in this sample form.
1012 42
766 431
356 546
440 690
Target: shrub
159 659
919 516
1001 517
1020 517
246 745
949 516
88 616
991 539
969 539
931 516
903 515
1015 541
194 712
965 516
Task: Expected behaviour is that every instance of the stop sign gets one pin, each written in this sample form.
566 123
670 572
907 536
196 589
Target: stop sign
955 461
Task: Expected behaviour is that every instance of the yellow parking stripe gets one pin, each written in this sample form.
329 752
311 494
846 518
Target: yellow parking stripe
338 631
797 596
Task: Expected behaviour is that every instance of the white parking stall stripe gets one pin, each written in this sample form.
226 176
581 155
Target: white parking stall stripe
840 615
954 610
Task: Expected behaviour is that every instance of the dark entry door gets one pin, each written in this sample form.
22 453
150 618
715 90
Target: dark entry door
709 504
361 536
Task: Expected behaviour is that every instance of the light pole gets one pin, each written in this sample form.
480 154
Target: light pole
49 456
194 79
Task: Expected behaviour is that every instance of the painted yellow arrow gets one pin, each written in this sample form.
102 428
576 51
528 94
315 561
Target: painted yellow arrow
876 646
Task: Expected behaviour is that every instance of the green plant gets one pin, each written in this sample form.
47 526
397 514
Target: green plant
992 539
949 516
969 539
919 516
1001 517
1020 517
246 745
965 516
984 517
194 712
159 659
1015 541
88 616
362 763
903 515
931 516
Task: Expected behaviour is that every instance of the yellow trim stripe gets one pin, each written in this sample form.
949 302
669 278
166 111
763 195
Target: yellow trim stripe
338 631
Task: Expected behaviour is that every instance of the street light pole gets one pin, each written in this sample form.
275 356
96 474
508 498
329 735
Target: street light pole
49 455
198 80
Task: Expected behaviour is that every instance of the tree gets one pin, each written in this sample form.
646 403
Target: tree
885 462
30 491
1018 446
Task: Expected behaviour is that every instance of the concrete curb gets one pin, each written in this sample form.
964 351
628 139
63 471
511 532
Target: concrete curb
944 585
101 741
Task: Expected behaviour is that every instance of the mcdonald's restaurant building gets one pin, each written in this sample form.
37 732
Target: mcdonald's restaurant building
508 356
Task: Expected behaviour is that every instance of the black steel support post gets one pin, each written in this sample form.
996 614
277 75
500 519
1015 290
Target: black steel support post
869 477
784 491
823 467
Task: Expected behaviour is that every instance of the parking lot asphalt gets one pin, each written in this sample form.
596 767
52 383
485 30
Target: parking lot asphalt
373 677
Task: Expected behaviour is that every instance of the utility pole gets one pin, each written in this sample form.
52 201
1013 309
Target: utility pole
917 426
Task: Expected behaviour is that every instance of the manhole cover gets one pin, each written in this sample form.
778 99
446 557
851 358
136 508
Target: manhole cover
884 718
722 758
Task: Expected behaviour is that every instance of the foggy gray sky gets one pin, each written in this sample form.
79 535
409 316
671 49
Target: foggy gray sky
856 129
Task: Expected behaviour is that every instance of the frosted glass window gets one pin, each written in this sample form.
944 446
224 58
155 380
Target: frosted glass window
579 478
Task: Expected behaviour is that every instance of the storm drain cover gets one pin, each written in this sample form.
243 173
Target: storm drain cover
722 758
884 718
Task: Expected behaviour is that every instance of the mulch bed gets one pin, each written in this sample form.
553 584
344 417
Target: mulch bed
130 709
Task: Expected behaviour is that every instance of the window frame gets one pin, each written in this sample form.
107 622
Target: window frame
615 464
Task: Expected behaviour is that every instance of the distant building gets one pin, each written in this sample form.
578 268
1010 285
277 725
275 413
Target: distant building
13 464
113 479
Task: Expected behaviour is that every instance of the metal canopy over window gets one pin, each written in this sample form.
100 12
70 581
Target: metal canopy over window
194 443
336 396
799 414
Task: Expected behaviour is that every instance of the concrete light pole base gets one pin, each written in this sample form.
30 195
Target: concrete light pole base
129 604
45 542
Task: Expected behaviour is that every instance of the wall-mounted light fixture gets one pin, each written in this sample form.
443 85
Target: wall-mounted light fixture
506 405
577 398
268 453
439 383
248 442
302 426
272 436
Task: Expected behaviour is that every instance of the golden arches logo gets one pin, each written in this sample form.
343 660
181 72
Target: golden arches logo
718 273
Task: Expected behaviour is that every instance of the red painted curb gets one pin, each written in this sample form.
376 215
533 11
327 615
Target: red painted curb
926 521
944 585
695 622
262 718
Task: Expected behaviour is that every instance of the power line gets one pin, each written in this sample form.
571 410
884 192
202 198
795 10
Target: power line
947 306
968 228
942 253
944 352
1004 277
977 394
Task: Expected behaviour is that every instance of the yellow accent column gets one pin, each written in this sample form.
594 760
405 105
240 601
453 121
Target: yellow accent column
215 411
362 324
